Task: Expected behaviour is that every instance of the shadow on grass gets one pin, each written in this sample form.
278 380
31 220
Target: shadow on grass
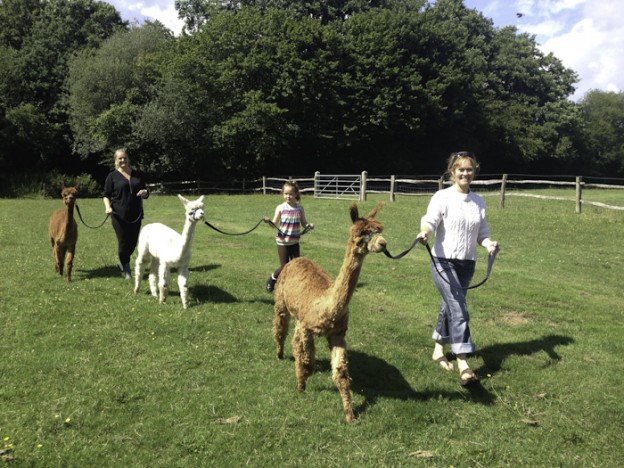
374 378
207 293
205 267
112 271
494 356
108 271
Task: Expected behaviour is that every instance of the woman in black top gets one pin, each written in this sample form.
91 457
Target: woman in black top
124 191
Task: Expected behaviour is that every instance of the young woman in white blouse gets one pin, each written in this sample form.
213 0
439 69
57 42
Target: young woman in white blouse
456 216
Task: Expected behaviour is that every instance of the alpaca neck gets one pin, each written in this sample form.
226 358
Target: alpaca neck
69 215
347 279
187 236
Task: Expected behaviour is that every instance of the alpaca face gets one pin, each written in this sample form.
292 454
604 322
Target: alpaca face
194 209
366 232
69 194
368 237
195 214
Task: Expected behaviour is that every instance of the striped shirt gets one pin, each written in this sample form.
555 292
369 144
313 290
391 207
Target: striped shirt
290 224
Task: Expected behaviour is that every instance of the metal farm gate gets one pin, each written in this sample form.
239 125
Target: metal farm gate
346 187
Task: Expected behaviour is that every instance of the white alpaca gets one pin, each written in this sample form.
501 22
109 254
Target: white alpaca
167 249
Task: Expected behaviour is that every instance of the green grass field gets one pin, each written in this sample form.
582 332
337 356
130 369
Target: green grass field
94 375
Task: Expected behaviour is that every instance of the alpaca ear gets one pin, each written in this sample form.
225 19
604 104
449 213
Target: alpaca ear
201 199
375 210
354 213
77 187
62 185
183 200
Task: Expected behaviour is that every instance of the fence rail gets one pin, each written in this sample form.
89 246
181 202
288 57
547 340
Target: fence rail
346 186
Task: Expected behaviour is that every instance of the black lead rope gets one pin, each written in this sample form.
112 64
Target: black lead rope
233 233
305 231
90 227
491 259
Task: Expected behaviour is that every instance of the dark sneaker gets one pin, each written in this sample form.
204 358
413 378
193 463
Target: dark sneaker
270 284
126 273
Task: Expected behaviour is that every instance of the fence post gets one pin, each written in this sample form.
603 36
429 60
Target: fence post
317 178
441 183
579 191
501 202
363 187
263 185
392 182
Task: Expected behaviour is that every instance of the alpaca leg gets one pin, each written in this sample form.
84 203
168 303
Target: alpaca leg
62 250
153 277
56 253
69 261
303 350
163 282
281 319
340 374
139 268
183 274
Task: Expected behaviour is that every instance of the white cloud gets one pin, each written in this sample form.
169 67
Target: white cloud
592 47
161 10
167 16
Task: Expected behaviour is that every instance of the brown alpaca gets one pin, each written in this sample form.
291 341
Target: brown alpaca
320 306
63 232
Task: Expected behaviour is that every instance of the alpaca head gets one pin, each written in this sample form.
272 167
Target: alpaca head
69 194
194 209
366 231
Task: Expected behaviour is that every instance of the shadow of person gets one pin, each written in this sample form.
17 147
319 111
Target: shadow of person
493 356
205 267
101 272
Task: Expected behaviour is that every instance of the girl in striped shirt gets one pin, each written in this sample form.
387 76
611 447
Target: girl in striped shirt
289 217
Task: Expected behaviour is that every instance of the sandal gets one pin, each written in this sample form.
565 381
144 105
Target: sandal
444 363
467 377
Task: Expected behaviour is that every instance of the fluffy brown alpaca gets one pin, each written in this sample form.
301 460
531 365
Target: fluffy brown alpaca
320 306
63 232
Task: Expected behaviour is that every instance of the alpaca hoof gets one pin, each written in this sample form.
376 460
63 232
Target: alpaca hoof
280 355
301 387
351 419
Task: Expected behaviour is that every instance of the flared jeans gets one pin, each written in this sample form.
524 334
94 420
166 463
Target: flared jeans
453 320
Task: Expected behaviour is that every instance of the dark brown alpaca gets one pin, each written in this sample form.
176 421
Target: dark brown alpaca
320 305
63 232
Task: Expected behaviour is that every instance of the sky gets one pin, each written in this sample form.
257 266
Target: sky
586 35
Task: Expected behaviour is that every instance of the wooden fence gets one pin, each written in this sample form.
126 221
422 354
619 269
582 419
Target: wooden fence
360 185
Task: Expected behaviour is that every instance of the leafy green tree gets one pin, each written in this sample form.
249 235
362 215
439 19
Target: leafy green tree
108 88
603 119
258 85
16 20
39 39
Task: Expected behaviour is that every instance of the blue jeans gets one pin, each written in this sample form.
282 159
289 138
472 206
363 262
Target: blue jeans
452 326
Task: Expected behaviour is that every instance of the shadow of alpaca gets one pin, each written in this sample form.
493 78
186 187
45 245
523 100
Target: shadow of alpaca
494 356
207 293
373 378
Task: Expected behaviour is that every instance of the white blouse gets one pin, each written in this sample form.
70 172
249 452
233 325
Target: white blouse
459 222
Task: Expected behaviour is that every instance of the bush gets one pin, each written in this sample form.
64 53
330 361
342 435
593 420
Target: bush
89 188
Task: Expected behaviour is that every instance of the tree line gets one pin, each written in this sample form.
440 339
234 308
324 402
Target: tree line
289 87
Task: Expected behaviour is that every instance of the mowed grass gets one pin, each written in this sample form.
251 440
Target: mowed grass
93 375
